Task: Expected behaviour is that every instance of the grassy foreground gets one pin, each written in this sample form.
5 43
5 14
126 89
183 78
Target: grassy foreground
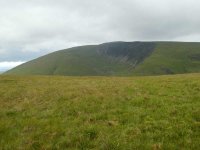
100 112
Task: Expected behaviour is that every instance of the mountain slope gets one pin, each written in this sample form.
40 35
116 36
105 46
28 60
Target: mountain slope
171 58
117 58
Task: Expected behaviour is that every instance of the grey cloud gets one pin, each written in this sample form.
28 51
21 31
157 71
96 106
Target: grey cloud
32 28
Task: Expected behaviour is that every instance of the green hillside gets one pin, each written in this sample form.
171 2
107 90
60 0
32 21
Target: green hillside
117 58
100 113
172 58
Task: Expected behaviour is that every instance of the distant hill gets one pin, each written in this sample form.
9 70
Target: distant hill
118 59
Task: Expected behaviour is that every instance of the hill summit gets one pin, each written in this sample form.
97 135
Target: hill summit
117 59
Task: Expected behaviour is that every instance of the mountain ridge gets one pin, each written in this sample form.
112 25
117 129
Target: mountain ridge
117 59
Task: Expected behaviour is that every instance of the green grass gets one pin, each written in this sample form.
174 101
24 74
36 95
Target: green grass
171 58
107 113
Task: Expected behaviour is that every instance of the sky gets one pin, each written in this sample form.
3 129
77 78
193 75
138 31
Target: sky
32 28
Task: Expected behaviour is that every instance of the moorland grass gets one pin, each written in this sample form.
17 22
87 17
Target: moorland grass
41 112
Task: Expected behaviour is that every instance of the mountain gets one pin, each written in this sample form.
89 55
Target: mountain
117 58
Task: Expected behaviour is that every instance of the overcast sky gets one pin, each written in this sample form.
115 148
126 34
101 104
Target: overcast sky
31 28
